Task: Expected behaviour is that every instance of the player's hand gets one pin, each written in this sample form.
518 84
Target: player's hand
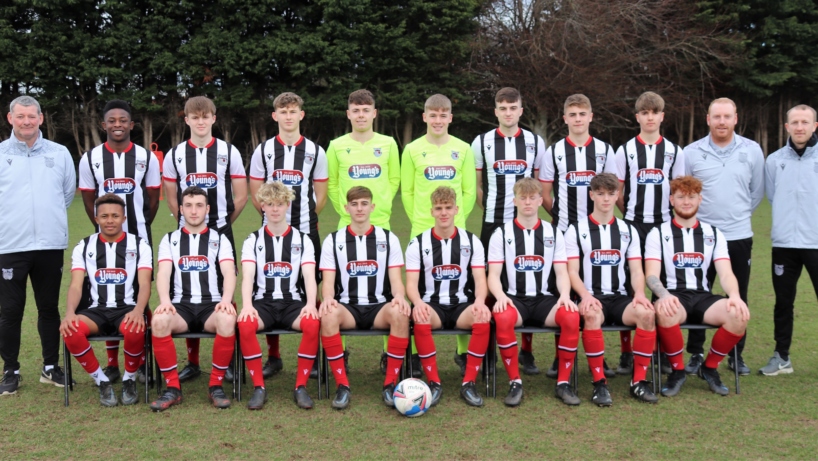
226 307
309 311
643 301
168 309
736 303
668 306
327 306
69 325
502 303
480 312
135 323
422 313
248 312
569 305
588 304
399 303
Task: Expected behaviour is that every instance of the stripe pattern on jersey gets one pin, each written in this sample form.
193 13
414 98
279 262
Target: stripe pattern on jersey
112 269
278 261
603 252
529 256
362 265
195 262
686 254
648 171
448 279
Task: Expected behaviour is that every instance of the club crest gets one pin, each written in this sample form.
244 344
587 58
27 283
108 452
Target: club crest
381 245
130 254
600 158
309 157
377 151
465 251
779 270
669 157
295 248
141 165
222 159
214 244
49 162
709 240
529 148
548 242
455 155
8 274
625 237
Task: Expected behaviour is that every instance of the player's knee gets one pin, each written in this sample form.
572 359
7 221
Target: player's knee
505 319
247 327
160 324
593 320
397 319
310 326
645 318
225 324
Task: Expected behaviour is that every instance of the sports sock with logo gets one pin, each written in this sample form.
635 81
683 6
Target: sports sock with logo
165 352
594 344
723 342
673 345
625 341
478 345
192 350
223 349
427 351
335 355
507 341
134 349
307 349
80 348
569 340
643 343
251 350
112 350
395 351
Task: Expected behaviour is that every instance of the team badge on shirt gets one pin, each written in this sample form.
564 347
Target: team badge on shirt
709 240
222 159
8 274
49 162
548 242
465 250
669 156
625 237
600 158
309 157
130 254
295 249
381 245
214 244
377 151
455 155
141 165
529 148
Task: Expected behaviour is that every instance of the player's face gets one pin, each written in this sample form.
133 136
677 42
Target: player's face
361 116
603 199
649 121
288 118
800 126
26 122
118 125
360 209
578 119
110 218
508 113
528 205
722 120
444 213
200 124
685 205
276 211
437 121
195 210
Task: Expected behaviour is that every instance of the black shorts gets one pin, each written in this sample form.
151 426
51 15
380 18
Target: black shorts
696 303
486 232
449 313
613 306
107 319
278 313
534 310
364 314
643 229
195 315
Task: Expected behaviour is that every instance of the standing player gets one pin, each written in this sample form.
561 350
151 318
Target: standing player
191 298
120 167
118 266
446 283
571 163
502 157
362 289
791 174
278 254
644 166
599 249
301 165
678 255
216 167
731 168
529 278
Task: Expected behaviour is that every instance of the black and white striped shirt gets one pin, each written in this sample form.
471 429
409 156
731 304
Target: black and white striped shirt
195 259
502 161
112 268
686 253
128 174
213 168
278 260
297 167
646 171
603 251
528 257
361 264
572 167
445 265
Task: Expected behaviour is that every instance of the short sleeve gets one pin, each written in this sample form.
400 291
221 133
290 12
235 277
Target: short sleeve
571 245
163 253
248 251
307 250
78 257
496 253
635 248
546 169
169 171
617 165
327 255
653 245
86 180
321 172
477 149
396 254
540 155
680 167
225 249
236 164
153 180
413 256
720 252
145 255
478 254
257 164
559 248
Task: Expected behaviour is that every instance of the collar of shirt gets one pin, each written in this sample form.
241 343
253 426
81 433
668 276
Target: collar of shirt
21 145
722 151
811 143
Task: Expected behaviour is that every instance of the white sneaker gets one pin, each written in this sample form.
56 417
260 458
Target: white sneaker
776 366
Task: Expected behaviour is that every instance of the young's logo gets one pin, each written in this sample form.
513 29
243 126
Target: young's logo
510 166
688 260
529 263
193 263
366 268
369 171
439 173
650 176
277 269
289 177
446 272
203 180
579 178
119 186
107 276
605 257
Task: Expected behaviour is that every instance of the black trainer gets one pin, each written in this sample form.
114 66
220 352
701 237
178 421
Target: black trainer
469 393
609 373
743 369
602 396
696 361
218 397
53 376
129 394
625 364
711 375
664 361
437 392
515 394
383 362
553 372
112 372
302 398
388 394
460 360
170 397
641 391
140 376
314 371
10 382
107 398
674 383
528 367
258 399
272 366
566 394
189 372
342 397
228 373
417 368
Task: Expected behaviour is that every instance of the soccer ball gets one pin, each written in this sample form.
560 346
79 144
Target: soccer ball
412 397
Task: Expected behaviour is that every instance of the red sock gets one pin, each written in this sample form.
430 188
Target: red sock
643 343
223 349
673 345
395 352
81 349
525 342
134 348
272 347
192 350
112 349
478 344
335 355
250 349
569 339
427 351
165 352
594 345
307 350
723 342
507 341
625 341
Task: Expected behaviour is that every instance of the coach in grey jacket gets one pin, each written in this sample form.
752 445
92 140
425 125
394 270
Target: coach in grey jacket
731 168
37 184
791 175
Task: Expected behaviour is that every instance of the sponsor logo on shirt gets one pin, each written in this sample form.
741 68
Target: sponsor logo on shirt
579 178
439 173
510 166
195 263
115 276
688 260
369 171
366 268
650 176
119 186
529 263
605 257
277 269
203 180
288 177
446 272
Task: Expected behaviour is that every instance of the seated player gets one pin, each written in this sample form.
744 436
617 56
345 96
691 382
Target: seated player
190 298
119 267
273 260
446 283
599 249
678 255
362 289
529 278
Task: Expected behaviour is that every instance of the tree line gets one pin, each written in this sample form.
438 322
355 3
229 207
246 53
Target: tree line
75 55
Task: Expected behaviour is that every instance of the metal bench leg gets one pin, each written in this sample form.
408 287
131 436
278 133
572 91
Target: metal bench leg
575 373
735 354
653 374
325 369
658 362
146 365
67 366
236 364
318 361
493 357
